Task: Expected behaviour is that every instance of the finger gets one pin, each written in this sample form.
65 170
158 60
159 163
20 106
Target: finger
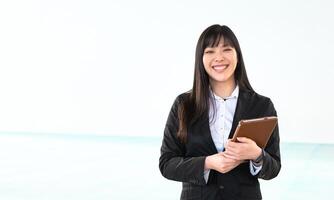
244 140
231 158
229 141
229 152
232 144
227 144
221 153
233 148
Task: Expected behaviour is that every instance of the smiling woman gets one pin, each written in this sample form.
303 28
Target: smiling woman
197 149
220 62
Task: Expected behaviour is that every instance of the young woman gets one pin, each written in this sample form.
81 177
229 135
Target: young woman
196 147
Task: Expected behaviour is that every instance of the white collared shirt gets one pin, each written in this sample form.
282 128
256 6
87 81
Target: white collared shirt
221 116
221 119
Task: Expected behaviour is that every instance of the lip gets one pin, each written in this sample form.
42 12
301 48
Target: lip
220 68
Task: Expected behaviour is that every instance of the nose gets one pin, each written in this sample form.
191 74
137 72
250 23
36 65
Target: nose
219 57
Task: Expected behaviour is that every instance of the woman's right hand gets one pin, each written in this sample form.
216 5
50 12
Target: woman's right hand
221 163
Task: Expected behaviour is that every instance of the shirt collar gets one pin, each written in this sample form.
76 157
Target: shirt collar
234 94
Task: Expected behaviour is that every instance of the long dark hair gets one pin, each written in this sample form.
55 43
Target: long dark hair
198 101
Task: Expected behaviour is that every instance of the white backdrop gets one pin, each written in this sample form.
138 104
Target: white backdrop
115 67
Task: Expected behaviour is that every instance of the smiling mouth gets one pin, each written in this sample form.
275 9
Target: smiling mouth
219 67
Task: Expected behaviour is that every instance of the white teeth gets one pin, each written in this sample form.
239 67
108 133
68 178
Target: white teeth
220 67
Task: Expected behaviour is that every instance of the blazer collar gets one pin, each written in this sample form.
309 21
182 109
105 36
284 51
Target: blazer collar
241 109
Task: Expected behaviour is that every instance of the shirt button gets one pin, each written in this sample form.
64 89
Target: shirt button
221 187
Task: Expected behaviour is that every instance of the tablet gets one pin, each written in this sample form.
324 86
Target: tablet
259 129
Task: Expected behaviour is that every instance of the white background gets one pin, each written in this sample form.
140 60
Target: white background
115 67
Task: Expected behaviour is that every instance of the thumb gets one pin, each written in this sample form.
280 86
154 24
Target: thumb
244 139
221 153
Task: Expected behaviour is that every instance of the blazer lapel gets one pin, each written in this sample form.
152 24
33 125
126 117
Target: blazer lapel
205 128
242 106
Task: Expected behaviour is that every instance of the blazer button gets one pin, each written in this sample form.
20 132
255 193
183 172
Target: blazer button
221 187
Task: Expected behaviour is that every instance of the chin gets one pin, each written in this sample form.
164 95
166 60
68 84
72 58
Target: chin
222 79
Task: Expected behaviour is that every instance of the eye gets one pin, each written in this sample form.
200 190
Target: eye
208 51
228 49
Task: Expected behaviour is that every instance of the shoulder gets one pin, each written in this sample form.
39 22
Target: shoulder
183 97
258 102
255 97
180 99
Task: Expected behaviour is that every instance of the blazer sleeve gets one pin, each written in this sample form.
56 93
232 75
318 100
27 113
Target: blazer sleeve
272 159
173 162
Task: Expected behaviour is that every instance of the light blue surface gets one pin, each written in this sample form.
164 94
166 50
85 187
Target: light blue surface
51 166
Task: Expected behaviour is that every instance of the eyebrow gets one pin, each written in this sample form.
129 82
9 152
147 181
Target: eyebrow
225 45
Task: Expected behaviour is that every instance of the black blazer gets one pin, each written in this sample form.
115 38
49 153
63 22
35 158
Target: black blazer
185 162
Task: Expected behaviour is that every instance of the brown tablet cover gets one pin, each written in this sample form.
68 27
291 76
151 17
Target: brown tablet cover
259 129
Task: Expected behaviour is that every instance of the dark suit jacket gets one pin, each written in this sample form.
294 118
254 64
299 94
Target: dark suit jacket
185 162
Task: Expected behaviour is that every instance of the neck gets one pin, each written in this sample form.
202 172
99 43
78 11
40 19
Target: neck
223 90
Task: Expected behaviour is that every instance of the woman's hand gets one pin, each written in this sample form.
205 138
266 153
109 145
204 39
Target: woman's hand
221 163
244 149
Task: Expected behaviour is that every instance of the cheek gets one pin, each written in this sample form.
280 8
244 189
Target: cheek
235 57
205 62
233 60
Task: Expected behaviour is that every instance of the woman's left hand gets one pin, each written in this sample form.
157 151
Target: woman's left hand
244 149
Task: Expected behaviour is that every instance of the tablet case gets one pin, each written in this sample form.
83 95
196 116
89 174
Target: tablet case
259 129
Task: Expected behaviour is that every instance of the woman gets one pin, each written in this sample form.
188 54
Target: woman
196 147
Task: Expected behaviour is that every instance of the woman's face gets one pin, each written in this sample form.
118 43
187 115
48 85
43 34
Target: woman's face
220 63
